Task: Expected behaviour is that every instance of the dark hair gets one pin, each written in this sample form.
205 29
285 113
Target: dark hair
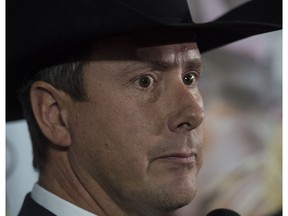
67 77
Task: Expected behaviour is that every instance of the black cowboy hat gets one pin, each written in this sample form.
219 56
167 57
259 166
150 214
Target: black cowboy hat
40 33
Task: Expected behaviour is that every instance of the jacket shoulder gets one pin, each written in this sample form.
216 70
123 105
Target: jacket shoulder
31 208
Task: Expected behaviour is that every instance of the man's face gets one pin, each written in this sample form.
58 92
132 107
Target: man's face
139 136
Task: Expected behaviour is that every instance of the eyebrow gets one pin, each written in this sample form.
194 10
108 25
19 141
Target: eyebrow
160 65
194 65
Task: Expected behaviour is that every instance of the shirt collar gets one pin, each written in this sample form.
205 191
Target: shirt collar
55 204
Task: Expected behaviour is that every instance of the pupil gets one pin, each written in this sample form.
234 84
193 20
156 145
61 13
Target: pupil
188 79
144 82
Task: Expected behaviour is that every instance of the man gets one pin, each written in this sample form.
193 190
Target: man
113 106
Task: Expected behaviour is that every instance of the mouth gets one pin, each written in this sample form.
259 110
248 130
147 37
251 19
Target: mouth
186 159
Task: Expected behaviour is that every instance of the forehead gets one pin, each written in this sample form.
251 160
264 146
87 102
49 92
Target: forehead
146 47
169 52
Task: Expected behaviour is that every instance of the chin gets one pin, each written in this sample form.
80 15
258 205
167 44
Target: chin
181 200
173 198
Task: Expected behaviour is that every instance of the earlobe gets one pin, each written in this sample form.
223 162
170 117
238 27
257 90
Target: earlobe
49 110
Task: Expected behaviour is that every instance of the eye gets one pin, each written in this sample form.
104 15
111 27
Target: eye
189 79
145 81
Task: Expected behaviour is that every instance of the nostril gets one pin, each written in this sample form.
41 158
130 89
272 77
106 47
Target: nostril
182 122
186 126
186 118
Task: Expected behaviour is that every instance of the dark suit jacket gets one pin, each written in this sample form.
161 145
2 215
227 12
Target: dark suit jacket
31 208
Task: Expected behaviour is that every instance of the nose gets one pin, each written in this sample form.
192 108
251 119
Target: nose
186 110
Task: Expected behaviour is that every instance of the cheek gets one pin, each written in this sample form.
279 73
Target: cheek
123 128
131 116
107 142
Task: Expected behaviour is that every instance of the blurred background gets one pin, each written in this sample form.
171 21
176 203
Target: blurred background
242 167
242 90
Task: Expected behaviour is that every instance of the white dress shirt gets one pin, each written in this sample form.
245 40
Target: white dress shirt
55 204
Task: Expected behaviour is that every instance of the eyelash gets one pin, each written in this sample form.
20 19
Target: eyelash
153 80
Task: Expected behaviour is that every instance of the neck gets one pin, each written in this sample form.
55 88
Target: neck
58 177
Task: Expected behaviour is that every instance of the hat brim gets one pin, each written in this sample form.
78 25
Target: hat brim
37 40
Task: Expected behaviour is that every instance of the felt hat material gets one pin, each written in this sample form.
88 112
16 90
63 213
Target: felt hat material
42 33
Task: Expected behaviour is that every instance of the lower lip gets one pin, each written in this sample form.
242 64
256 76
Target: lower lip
189 160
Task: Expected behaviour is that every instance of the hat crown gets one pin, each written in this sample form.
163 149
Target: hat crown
41 33
161 10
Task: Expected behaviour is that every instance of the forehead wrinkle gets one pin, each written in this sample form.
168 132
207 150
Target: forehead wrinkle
162 59
184 57
180 58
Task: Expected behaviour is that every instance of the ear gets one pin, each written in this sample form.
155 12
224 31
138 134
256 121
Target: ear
49 108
